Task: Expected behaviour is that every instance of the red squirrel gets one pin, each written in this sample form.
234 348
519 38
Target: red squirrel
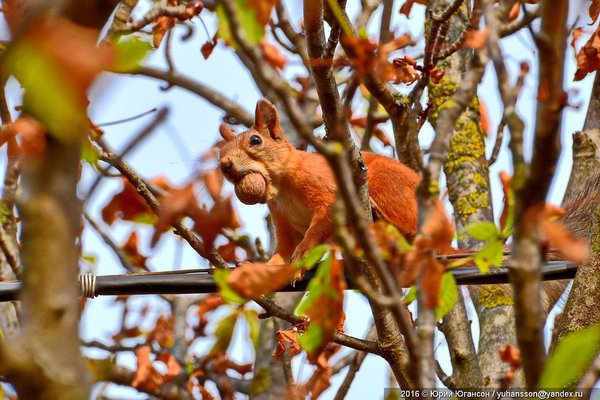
299 186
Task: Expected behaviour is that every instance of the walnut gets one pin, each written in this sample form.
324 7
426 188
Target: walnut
252 189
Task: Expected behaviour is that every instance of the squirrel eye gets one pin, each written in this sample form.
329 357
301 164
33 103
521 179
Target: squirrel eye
255 140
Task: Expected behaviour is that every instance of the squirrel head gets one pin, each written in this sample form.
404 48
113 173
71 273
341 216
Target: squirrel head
254 159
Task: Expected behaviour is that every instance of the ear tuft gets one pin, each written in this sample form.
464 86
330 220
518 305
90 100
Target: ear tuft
226 132
266 118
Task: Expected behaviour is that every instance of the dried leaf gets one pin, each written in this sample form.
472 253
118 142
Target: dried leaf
515 10
407 6
272 54
146 378
395 44
508 209
32 134
128 205
588 58
576 35
287 341
323 306
160 28
213 180
510 354
163 332
436 75
208 224
207 305
476 39
207 48
405 71
221 363
227 251
173 367
438 230
252 280
382 136
135 258
594 10
174 205
484 117
544 218
262 10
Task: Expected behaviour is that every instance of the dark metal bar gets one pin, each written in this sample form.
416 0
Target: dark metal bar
201 281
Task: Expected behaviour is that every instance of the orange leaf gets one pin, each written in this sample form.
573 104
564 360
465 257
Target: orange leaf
327 311
163 332
506 180
484 118
128 205
207 305
173 206
221 363
213 180
436 75
135 258
476 39
432 281
395 44
32 133
438 230
514 11
407 6
173 367
405 71
208 224
576 35
588 58
252 280
361 122
544 219
207 48
287 341
146 378
272 54
160 27
318 382
510 354
227 251
262 9
594 10
381 135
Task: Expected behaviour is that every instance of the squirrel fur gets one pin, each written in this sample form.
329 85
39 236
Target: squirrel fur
299 187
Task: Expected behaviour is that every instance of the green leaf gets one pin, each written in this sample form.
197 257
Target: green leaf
224 332
90 154
253 31
448 296
313 256
89 258
489 255
571 358
253 325
312 338
317 286
220 277
130 53
482 230
410 296
47 97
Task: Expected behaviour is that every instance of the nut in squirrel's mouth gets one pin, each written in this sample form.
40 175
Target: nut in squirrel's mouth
252 187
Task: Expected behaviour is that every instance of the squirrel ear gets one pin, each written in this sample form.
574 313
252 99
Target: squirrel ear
266 118
226 132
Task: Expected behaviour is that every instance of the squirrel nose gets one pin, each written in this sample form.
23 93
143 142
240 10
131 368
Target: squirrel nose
226 165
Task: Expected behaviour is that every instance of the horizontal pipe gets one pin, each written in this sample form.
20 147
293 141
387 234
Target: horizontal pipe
201 281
